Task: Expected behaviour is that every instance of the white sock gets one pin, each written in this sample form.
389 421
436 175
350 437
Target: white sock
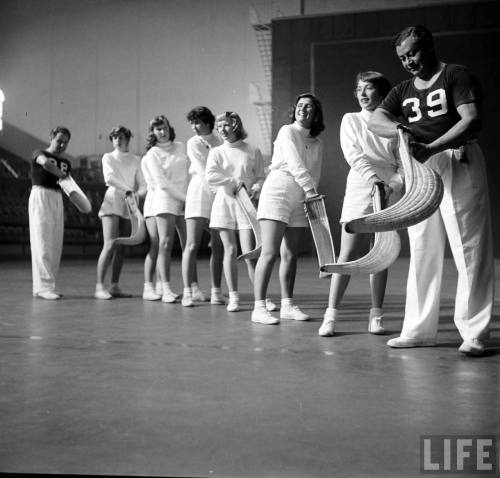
187 292
216 291
286 302
194 286
148 286
332 313
234 295
260 304
376 312
99 286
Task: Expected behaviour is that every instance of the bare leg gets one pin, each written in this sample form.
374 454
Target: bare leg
194 232
228 238
116 268
166 234
216 258
152 255
352 246
247 242
181 226
272 235
288 268
110 230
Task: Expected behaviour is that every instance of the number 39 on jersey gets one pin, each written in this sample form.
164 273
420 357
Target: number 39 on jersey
436 105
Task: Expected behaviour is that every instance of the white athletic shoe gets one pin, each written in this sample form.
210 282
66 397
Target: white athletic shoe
48 295
102 294
474 347
199 295
217 299
263 316
404 343
327 328
375 325
169 297
187 301
271 306
150 295
292 312
233 305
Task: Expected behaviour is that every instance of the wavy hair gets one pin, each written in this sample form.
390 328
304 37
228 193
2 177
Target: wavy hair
237 123
158 121
203 114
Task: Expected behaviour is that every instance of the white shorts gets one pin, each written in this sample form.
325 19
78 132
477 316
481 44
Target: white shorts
282 199
113 203
199 199
148 205
164 203
227 213
358 194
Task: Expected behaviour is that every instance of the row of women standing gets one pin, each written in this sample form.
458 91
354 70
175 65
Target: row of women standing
190 189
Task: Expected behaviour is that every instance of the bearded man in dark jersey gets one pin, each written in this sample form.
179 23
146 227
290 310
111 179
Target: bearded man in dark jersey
440 106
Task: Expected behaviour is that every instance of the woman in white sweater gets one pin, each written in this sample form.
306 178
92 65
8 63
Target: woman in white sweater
294 175
122 174
165 169
199 207
232 165
373 161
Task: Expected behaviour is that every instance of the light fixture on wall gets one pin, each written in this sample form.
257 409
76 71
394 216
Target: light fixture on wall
2 99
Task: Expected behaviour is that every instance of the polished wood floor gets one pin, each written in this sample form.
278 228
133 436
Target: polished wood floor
129 387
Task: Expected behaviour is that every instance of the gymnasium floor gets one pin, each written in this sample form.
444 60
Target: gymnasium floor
129 387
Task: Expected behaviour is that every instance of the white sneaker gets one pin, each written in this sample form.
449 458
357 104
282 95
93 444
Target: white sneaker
102 294
327 328
292 312
405 343
169 297
474 347
199 295
48 295
375 325
187 301
217 299
263 316
159 289
150 295
271 306
234 305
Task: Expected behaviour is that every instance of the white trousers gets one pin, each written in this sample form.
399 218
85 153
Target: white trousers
464 218
46 220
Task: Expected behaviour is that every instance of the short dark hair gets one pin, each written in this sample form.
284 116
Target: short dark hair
157 121
238 124
120 129
317 125
378 80
203 114
60 129
422 35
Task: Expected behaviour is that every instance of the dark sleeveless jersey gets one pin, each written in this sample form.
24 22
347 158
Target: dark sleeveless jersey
431 112
41 177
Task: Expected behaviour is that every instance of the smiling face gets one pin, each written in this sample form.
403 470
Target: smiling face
368 95
225 128
416 60
304 112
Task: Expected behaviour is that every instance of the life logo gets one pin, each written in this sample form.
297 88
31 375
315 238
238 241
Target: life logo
464 454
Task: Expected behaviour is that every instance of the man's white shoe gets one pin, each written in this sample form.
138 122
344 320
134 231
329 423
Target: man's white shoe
327 328
263 316
48 295
292 312
102 294
375 325
404 343
474 347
